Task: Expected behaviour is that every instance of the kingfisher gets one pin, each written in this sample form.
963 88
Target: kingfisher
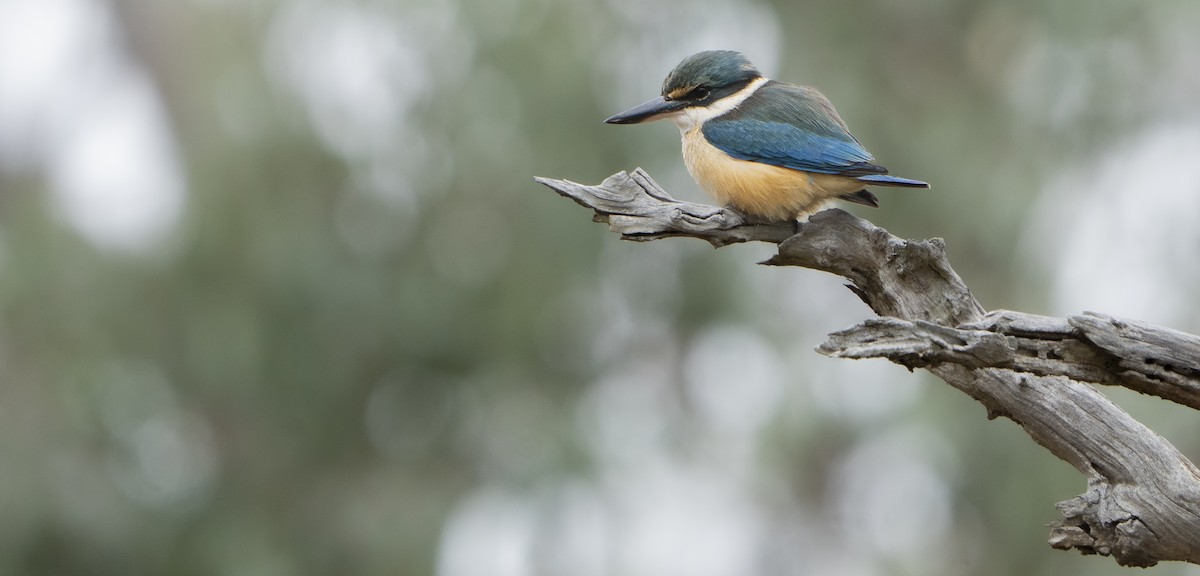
769 149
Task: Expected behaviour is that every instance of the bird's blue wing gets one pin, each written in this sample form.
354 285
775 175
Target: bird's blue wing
789 146
793 127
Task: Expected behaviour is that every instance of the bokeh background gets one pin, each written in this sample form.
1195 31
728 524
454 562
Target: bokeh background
279 296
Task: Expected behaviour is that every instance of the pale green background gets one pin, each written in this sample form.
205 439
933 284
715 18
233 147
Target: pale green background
278 294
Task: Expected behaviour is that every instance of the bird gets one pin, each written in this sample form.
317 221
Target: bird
768 149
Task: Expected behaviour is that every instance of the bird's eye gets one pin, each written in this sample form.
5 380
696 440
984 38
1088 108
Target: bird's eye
699 93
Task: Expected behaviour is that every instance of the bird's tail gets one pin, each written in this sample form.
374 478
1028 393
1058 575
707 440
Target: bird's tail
885 180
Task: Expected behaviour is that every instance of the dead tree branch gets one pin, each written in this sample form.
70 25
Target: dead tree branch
1142 503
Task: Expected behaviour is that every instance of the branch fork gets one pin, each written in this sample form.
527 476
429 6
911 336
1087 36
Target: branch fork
1142 503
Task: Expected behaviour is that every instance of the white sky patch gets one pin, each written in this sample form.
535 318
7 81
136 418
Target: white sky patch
116 178
862 392
625 416
890 500
577 531
75 107
810 306
682 520
1120 233
489 532
353 69
36 44
735 380
663 514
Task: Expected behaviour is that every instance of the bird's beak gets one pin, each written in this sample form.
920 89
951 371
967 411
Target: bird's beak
651 110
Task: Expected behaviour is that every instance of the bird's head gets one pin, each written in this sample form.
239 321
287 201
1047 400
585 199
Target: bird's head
701 81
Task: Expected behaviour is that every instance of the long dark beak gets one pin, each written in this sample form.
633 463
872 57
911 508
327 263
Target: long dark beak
647 111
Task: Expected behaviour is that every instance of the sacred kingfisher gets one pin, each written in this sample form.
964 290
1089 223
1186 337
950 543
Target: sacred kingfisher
769 149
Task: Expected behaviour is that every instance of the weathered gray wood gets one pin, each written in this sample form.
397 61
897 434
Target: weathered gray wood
895 277
637 208
1142 503
1139 486
1151 359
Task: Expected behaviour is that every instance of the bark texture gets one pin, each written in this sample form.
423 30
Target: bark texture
1142 503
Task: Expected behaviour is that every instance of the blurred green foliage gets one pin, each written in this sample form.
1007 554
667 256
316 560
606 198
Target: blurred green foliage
373 345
